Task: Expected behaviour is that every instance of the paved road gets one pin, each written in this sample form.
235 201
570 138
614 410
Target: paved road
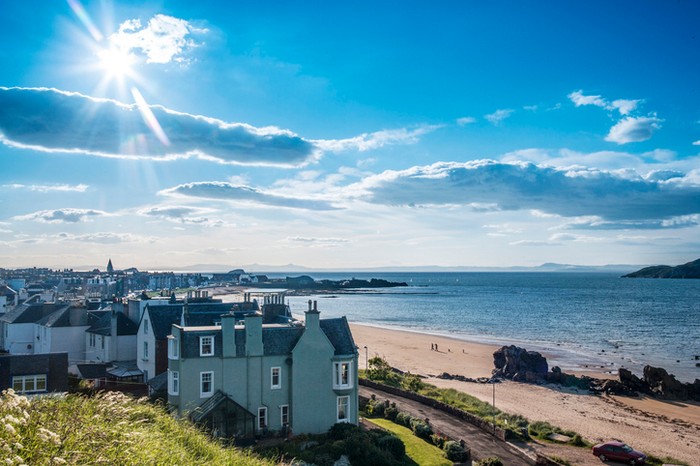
481 443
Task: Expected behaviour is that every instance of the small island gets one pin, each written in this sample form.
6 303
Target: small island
689 270
304 282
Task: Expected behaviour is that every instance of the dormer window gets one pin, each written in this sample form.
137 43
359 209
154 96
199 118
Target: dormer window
206 346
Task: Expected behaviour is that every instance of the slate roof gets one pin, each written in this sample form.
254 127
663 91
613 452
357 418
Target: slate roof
103 326
92 371
159 382
30 313
277 341
61 318
162 319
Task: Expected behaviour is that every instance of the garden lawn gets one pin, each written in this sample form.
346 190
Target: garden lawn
420 451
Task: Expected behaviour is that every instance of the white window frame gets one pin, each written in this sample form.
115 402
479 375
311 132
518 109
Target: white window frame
145 351
202 393
26 380
262 418
273 385
92 340
338 371
173 382
173 348
145 326
343 400
284 415
202 339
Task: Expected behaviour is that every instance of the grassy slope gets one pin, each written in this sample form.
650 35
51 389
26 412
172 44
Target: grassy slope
110 429
417 449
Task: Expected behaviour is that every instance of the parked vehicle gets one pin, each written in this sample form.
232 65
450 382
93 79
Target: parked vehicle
618 451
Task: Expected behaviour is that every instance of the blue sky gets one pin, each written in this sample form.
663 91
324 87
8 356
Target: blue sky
167 134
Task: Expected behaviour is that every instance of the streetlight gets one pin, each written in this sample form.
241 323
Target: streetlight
366 360
493 384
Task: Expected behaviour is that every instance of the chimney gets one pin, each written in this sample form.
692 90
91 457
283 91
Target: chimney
253 335
113 340
228 335
311 316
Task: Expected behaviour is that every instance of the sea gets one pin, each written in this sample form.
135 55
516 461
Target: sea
579 321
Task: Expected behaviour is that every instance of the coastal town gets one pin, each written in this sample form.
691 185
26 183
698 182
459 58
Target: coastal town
241 368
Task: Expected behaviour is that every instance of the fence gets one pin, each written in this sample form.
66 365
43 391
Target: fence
497 432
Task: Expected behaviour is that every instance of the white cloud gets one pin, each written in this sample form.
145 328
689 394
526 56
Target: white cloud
317 242
105 238
231 192
66 215
697 143
615 196
376 140
163 40
80 188
182 214
624 106
498 116
64 129
631 129
464 121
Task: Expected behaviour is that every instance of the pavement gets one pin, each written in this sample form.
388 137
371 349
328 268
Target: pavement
482 444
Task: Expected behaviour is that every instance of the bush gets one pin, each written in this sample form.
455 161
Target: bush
411 382
404 419
421 429
375 408
541 429
393 445
390 412
455 452
342 430
438 440
490 461
577 441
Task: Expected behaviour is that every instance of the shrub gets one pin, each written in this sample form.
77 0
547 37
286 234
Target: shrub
421 429
390 412
375 408
455 452
393 445
404 419
411 382
577 441
342 430
541 429
438 440
490 461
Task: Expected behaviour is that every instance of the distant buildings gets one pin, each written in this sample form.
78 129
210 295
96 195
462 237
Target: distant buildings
242 369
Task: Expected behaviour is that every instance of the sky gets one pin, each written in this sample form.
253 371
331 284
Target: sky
349 135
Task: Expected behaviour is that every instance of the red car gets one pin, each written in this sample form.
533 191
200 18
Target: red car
618 451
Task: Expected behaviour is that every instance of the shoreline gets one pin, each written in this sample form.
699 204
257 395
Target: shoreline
658 427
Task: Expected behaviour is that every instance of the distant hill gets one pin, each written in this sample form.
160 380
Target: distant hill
689 270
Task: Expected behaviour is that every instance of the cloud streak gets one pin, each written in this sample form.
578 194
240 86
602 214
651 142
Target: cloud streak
44 188
376 140
574 192
51 120
66 215
498 116
231 192
624 106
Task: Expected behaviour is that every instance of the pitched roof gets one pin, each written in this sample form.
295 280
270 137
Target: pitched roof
163 318
103 326
62 318
338 332
92 371
31 313
277 340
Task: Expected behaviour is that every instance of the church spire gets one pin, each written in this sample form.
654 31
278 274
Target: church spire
110 268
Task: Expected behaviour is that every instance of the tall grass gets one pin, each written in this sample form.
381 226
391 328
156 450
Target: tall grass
110 428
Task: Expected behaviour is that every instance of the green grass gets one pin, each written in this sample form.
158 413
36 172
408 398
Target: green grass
420 451
109 428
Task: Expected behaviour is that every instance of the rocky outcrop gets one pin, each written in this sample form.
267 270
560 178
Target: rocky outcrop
663 384
519 364
689 270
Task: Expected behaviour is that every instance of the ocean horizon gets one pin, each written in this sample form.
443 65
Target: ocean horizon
580 321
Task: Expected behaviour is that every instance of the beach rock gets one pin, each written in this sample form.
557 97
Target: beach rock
518 364
631 381
662 383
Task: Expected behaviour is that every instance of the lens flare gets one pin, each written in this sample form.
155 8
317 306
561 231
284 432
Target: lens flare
149 118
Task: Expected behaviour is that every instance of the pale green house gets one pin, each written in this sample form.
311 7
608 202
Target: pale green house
243 378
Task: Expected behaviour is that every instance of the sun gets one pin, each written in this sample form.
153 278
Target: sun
117 63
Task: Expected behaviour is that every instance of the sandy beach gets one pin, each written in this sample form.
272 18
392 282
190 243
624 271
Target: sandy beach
661 428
